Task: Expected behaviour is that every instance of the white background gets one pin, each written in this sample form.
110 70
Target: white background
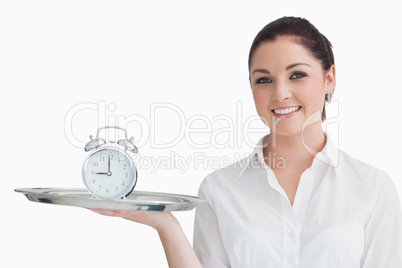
129 55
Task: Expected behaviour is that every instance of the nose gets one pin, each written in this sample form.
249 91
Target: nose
281 91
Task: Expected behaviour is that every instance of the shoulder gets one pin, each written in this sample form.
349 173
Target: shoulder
225 177
360 170
363 176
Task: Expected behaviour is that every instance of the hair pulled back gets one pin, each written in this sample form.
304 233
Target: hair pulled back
303 33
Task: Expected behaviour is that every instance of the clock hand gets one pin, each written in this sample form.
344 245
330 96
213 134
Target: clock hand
109 173
108 164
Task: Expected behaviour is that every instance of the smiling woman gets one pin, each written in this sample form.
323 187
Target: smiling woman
319 208
322 208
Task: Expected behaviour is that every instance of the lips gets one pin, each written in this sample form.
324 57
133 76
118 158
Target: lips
286 110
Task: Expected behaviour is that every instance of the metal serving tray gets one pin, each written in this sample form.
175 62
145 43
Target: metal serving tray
137 200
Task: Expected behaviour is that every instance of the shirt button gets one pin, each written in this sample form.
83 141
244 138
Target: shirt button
292 234
291 260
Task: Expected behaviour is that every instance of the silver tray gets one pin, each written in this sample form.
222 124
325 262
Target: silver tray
137 200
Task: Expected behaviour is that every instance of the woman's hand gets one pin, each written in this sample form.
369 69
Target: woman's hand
159 220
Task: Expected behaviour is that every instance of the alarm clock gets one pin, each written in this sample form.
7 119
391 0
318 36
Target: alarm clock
109 172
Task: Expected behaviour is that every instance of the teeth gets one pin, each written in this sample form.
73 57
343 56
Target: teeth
287 110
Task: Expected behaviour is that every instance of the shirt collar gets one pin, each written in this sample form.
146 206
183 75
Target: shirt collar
256 155
329 155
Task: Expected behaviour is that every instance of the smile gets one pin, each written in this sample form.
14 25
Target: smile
287 110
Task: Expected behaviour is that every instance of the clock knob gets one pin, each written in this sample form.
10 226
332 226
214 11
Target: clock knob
129 145
94 143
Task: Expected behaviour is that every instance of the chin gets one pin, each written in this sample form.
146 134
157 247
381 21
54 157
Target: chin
287 133
287 130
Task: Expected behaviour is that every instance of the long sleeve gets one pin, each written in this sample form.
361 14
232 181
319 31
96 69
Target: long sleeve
383 232
207 239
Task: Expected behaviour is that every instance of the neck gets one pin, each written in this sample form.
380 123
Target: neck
298 151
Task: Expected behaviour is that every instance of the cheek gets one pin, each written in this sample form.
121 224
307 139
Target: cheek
313 95
260 100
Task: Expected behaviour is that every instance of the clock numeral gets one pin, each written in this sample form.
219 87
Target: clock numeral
116 189
94 164
126 175
124 183
92 172
107 191
111 157
93 180
124 166
102 158
100 186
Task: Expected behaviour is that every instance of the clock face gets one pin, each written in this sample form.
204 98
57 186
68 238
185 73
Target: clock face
109 173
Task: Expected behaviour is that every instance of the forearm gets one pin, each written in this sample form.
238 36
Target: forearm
179 252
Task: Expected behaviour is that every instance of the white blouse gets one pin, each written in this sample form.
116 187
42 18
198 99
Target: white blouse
345 214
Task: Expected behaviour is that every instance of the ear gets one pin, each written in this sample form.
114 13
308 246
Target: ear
330 80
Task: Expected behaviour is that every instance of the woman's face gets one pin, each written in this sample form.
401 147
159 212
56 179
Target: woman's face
289 86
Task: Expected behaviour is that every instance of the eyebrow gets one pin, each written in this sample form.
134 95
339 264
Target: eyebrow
287 68
296 64
261 71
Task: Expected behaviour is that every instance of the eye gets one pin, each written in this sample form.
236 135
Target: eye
263 81
297 75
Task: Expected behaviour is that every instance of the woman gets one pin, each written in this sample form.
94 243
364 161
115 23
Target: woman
319 208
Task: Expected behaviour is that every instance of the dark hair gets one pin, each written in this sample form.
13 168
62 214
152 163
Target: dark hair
303 33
